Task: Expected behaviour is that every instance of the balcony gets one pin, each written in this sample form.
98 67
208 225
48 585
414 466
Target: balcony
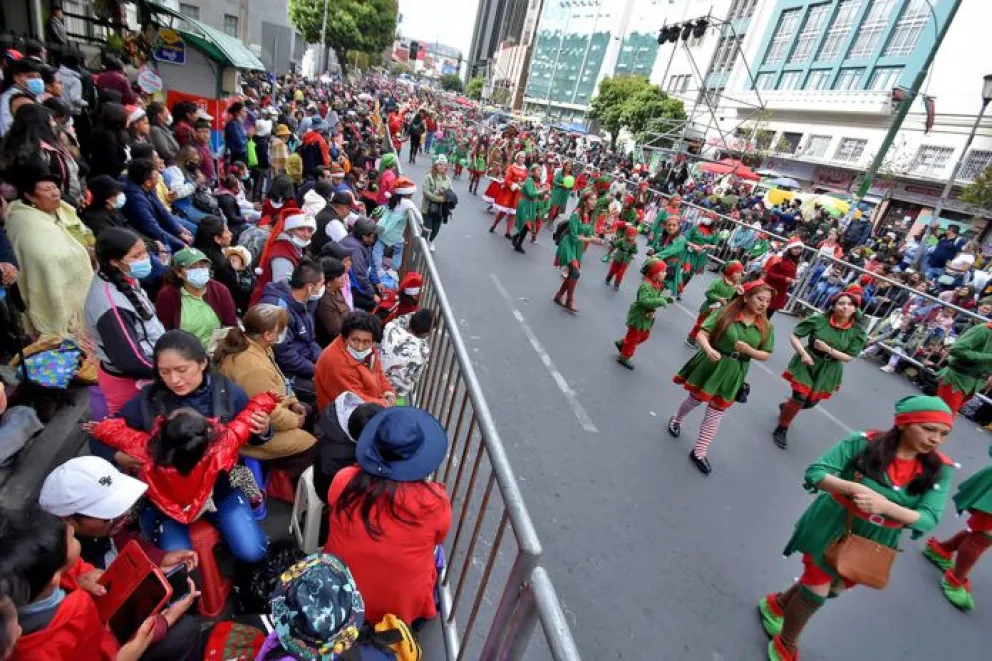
852 102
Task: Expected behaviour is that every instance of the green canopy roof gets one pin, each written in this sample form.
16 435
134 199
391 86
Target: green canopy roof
219 46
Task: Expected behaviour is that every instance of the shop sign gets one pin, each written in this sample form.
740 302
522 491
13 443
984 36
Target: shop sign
170 47
791 168
835 178
149 81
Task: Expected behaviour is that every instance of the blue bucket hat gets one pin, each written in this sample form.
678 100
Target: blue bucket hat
317 609
403 444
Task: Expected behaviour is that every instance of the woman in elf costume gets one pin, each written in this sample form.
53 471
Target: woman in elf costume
509 193
560 192
720 292
640 316
543 209
571 246
461 157
583 179
815 372
669 245
969 367
526 215
957 555
477 166
494 163
621 254
701 239
879 483
673 208
728 341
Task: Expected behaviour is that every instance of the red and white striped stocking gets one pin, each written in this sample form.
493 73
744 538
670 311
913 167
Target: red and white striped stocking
685 408
707 430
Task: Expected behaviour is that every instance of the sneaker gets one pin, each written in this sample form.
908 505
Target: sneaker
957 592
508 236
772 617
619 345
780 438
888 369
607 281
778 652
625 362
674 428
938 555
520 250
702 463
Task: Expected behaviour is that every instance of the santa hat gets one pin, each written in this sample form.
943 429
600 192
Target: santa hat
921 409
405 186
336 171
134 114
411 284
298 220
793 243
865 279
854 291
655 267
732 268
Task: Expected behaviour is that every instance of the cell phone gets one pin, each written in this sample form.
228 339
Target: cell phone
178 579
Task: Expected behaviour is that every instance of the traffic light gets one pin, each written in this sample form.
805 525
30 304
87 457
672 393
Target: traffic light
414 50
700 29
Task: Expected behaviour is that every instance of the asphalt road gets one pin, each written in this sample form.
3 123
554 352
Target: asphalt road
651 559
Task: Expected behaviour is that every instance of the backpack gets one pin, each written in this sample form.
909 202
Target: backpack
390 639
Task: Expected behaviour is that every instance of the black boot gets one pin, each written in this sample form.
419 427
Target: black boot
779 436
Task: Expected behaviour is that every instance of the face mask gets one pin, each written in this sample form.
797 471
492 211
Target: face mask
245 177
359 355
141 268
298 242
35 86
275 205
318 294
120 201
168 120
198 277
282 336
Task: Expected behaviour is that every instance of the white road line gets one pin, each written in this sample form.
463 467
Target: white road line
566 390
761 366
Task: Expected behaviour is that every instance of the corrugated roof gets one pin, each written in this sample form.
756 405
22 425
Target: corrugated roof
220 46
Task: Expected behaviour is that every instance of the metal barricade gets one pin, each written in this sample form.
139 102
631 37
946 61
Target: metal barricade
483 561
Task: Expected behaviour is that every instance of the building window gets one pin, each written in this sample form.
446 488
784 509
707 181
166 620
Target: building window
818 79
231 25
908 29
976 162
931 160
817 146
870 32
788 142
764 81
784 33
742 9
815 20
725 55
839 29
679 84
884 78
189 10
790 80
848 79
850 150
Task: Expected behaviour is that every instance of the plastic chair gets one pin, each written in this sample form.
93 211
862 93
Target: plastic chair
215 587
308 506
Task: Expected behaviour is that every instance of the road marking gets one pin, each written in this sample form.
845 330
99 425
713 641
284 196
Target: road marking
761 366
566 390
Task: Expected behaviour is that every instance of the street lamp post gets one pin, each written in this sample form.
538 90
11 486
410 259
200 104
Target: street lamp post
946 193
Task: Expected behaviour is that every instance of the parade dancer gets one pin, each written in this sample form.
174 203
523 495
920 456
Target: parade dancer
728 341
719 293
640 316
461 157
969 367
673 208
543 209
781 273
834 337
701 239
526 215
669 245
621 255
476 168
957 555
509 194
572 240
879 483
563 183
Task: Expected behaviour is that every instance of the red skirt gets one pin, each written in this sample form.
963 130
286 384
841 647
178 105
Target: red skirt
492 190
506 201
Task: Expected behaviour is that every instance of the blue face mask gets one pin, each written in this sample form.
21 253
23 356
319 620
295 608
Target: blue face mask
35 86
120 201
141 268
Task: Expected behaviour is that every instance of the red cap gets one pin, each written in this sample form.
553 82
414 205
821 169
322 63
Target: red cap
655 268
733 268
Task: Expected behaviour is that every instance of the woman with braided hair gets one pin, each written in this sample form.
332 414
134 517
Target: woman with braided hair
121 316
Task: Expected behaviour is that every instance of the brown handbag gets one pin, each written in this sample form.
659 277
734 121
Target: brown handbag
859 559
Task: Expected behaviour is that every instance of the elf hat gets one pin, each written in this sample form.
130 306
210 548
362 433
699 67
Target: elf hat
920 409
732 268
793 243
754 284
655 268
854 291
405 186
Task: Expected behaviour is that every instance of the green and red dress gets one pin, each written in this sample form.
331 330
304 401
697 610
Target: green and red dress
822 379
719 293
673 250
975 497
969 366
640 316
717 383
700 235
527 205
824 521
571 247
559 194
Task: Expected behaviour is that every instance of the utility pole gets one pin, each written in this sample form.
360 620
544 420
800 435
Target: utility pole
903 109
323 40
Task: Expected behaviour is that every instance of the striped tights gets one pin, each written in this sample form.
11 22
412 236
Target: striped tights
709 426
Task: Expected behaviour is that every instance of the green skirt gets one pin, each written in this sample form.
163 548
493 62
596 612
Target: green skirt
714 382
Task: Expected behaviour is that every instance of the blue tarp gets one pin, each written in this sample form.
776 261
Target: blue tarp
571 128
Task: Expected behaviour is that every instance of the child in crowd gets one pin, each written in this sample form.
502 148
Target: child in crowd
718 294
624 247
239 257
640 317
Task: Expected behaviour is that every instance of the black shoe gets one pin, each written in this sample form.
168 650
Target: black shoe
616 287
492 229
520 250
607 281
619 345
508 236
674 428
779 435
626 362
678 297
691 343
703 464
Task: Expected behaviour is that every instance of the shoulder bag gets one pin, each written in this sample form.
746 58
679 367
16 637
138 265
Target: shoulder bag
859 559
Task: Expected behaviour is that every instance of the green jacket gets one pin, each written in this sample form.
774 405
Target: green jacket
969 363
623 250
640 316
434 188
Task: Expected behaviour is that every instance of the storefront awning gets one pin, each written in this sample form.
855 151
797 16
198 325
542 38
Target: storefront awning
220 47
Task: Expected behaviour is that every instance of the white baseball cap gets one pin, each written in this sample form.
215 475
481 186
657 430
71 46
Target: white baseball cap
203 114
90 486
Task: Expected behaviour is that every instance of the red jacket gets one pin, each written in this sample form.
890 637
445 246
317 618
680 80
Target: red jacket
396 572
182 497
777 277
279 248
338 371
169 305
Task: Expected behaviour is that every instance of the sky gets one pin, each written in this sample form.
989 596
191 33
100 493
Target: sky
448 22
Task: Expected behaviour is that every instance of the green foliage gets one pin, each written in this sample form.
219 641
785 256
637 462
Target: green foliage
475 87
365 26
631 102
500 97
451 83
979 192
397 68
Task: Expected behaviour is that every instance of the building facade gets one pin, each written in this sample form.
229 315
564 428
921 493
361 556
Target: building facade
496 21
432 59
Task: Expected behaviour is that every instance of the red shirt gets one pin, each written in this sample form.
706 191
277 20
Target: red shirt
395 573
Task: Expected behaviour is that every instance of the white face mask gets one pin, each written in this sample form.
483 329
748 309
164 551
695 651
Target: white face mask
359 355
318 294
298 242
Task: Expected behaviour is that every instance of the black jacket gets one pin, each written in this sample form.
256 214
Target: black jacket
336 448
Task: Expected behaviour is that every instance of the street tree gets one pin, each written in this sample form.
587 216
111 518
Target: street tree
979 192
451 82
475 87
632 103
365 26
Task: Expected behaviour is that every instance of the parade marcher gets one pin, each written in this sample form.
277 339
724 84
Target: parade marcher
509 193
669 245
542 209
476 167
572 238
700 239
873 484
969 367
526 215
673 208
621 255
815 372
717 375
720 292
640 316
959 554
564 181
781 273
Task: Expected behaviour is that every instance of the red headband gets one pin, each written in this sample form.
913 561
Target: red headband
754 284
923 417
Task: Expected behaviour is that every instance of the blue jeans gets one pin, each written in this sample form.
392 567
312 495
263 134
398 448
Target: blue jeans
429 142
378 251
186 210
824 292
932 273
233 519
